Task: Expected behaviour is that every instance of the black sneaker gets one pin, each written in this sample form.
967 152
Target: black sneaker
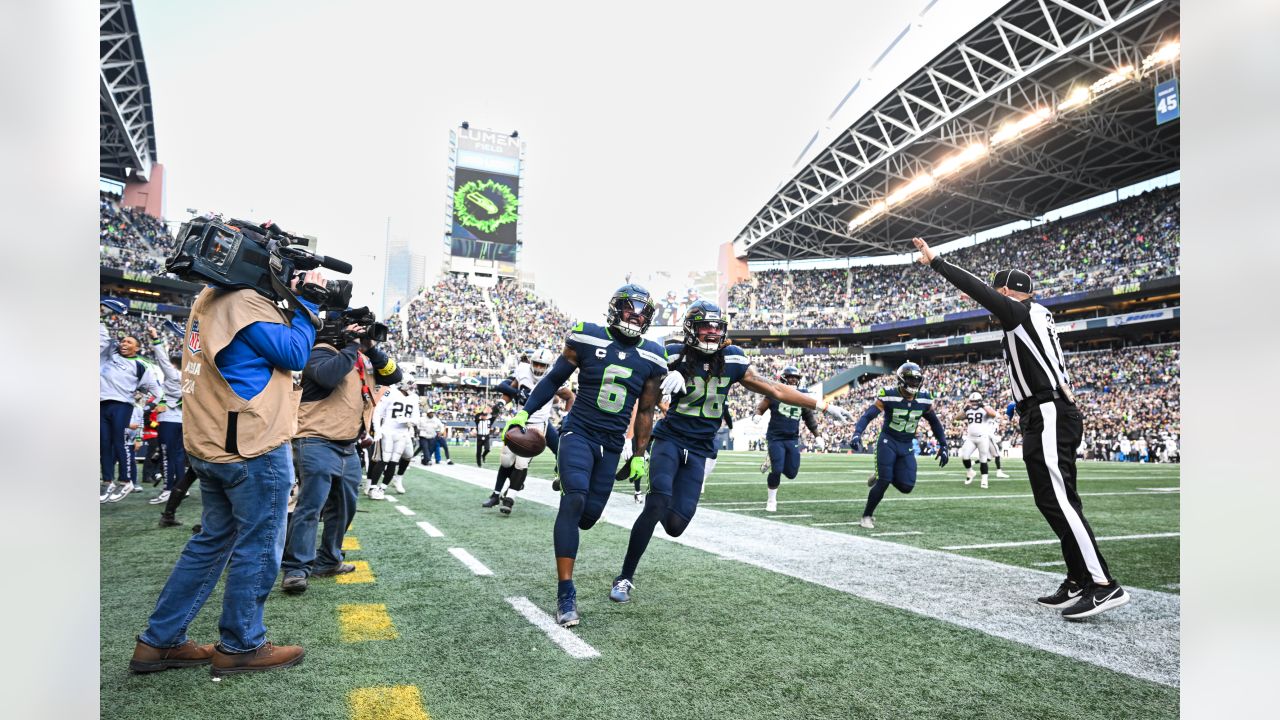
507 504
167 520
493 500
1097 599
1068 594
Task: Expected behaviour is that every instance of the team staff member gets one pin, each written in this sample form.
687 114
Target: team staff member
239 411
337 402
120 375
482 439
1051 429
169 432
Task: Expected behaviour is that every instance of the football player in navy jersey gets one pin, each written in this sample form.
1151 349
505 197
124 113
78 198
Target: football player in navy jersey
903 406
701 370
616 368
783 436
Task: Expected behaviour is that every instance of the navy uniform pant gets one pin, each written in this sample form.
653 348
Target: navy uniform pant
586 479
896 466
675 484
784 459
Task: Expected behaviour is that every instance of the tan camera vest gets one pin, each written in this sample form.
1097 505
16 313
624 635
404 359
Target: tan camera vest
218 425
340 415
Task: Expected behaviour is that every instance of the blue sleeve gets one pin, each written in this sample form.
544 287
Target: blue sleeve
284 346
507 388
865 420
546 389
935 425
1010 410
327 368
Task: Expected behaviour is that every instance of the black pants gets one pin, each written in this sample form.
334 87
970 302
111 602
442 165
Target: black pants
1051 433
482 448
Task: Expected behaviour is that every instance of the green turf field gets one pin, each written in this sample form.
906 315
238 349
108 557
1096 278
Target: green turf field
705 636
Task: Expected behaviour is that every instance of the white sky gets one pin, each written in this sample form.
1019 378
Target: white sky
653 135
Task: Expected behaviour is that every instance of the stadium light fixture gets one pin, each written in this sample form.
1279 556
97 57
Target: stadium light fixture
954 163
1121 75
1077 97
1015 129
1165 53
868 215
917 184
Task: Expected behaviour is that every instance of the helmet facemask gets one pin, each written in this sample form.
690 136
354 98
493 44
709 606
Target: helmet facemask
631 316
708 336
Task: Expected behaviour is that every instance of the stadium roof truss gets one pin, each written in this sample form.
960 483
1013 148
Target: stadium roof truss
126 135
1031 54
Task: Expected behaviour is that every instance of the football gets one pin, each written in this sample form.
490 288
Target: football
525 442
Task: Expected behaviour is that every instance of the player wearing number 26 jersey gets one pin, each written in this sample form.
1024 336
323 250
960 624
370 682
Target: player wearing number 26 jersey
903 406
701 371
616 368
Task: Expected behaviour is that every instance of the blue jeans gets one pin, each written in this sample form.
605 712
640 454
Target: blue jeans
330 475
243 532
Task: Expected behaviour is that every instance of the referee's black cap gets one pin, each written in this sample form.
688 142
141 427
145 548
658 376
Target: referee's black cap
1012 279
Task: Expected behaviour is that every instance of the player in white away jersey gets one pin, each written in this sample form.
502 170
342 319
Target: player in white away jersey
993 441
978 437
394 427
513 469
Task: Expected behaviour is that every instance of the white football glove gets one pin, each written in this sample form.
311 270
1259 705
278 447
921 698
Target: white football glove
837 413
673 383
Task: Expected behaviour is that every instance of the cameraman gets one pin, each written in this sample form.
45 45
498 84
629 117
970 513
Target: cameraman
239 409
337 404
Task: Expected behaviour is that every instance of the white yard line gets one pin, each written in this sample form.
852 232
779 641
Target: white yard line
1140 639
429 529
1051 563
404 510
977 495
900 532
391 499
472 564
570 643
1055 541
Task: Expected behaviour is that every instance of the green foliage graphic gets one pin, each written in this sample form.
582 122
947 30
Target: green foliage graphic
487 225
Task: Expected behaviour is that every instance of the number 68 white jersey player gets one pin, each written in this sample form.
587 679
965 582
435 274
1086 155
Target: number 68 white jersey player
979 437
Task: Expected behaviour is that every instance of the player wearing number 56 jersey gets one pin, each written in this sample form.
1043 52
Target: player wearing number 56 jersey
702 369
903 406
617 368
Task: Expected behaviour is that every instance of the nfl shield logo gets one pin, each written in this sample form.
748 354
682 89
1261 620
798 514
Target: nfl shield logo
622 356
193 338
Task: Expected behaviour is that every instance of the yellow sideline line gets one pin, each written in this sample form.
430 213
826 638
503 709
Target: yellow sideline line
350 542
362 623
401 702
362 574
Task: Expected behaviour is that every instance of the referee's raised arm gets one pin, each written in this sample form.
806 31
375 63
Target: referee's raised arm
1008 311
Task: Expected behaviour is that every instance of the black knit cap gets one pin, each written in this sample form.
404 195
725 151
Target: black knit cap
1012 279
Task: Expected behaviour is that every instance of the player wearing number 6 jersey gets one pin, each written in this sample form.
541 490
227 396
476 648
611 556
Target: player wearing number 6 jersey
903 406
701 370
617 368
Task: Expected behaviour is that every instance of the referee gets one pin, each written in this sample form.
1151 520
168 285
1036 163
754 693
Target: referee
1051 429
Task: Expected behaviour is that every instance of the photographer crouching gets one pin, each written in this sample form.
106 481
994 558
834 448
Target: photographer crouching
239 411
337 403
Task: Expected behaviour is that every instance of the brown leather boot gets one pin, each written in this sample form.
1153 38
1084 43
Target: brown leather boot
151 659
267 657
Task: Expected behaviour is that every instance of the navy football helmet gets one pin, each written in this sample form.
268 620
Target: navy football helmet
791 375
910 378
706 328
631 310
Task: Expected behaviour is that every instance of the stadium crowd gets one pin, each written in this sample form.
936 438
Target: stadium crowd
129 239
1130 241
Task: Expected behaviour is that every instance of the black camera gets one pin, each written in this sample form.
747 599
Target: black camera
240 254
336 322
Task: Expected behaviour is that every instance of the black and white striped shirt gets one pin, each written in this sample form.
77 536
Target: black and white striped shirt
1037 369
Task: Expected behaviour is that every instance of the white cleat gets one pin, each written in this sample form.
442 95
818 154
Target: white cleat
398 485
771 506
1002 474
968 479
377 493
867 522
984 483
